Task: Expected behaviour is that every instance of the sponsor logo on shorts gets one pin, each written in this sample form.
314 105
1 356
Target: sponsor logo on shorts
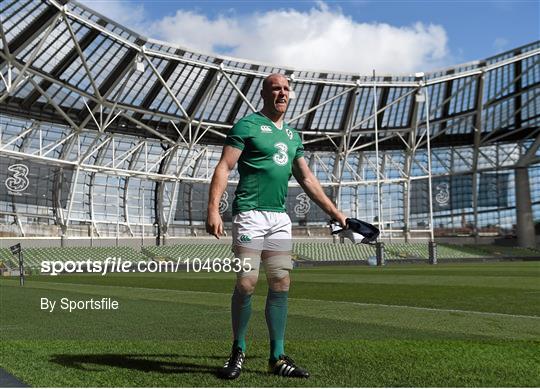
244 238
266 129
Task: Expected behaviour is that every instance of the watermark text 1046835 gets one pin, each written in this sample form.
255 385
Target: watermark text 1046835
117 265
218 265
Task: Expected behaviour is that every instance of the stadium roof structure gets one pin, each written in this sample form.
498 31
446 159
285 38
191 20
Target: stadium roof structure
68 64
79 90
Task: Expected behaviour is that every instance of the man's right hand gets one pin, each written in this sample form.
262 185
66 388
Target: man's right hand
214 224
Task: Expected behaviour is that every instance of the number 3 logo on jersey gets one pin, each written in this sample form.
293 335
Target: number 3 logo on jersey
281 157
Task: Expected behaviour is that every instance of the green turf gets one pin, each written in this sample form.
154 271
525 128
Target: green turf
409 325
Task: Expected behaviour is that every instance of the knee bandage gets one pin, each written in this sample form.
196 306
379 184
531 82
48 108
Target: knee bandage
250 262
278 266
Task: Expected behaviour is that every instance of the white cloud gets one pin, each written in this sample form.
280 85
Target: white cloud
125 13
196 31
322 38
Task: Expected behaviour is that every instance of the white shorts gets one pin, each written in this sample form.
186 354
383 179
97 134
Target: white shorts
257 231
262 230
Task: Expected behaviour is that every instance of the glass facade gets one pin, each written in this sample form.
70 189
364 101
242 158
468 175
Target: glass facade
129 131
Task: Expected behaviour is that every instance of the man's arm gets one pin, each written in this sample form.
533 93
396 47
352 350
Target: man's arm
229 157
314 190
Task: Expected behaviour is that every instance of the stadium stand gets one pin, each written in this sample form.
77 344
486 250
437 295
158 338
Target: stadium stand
332 252
188 251
327 252
7 259
482 119
420 251
34 256
322 252
503 251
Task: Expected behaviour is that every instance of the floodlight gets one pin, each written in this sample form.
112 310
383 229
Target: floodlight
139 64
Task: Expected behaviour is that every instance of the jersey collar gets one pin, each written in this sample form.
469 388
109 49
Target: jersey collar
270 120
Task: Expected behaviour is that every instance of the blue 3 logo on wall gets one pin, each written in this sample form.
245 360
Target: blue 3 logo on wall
18 181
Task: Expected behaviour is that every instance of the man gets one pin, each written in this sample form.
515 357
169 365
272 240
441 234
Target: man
267 151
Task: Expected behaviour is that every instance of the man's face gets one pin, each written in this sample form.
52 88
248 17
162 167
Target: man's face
275 94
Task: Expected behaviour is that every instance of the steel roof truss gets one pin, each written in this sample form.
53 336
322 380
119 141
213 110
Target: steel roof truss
442 162
52 146
233 84
22 135
528 157
148 128
330 175
4 40
11 85
489 137
53 103
165 85
212 87
82 58
160 158
382 109
327 101
30 32
37 49
395 164
93 150
179 133
372 143
324 137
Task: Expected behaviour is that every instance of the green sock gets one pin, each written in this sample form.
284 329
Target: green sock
240 313
276 319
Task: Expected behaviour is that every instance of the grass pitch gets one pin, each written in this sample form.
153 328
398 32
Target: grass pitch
444 325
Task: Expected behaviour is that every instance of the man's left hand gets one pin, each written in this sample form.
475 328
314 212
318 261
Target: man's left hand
341 219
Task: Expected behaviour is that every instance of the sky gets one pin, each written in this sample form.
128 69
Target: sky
355 36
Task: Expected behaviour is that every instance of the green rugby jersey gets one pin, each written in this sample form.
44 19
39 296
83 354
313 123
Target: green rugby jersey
265 164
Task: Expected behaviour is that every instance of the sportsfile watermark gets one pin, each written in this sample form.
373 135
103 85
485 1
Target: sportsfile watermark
118 265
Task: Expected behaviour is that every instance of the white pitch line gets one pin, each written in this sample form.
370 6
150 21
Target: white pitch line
422 308
304 299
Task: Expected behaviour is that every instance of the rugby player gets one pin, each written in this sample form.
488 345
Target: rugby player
268 152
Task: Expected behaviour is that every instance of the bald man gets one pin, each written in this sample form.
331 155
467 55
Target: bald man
268 152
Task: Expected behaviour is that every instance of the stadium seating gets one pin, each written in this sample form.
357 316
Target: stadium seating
34 256
7 259
404 251
420 251
333 252
188 251
305 251
505 251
